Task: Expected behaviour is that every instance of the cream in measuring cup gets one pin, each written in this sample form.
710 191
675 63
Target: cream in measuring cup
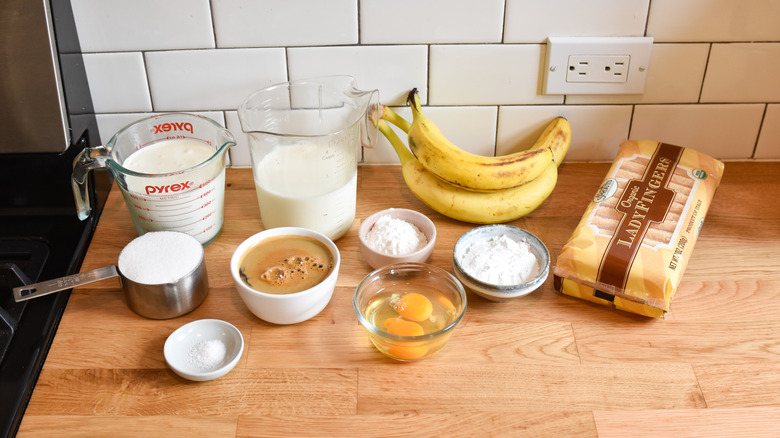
171 171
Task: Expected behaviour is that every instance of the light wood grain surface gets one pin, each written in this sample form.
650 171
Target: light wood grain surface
543 365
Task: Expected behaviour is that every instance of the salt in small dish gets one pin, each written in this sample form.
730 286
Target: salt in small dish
378 259
495 292
180 357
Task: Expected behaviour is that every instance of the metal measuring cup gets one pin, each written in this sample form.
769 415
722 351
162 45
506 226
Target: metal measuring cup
153 301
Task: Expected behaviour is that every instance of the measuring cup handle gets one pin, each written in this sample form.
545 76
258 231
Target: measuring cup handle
86 160
24 293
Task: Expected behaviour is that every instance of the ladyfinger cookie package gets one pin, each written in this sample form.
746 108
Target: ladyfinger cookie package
633 243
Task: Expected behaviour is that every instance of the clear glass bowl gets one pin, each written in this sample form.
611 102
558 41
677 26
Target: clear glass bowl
405 329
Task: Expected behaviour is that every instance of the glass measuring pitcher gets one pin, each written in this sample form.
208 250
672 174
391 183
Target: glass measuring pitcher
304 139
170 169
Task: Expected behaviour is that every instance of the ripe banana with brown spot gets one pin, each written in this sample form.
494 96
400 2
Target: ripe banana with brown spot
467 205
478 172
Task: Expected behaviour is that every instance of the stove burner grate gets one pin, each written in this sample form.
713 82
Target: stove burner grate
21 263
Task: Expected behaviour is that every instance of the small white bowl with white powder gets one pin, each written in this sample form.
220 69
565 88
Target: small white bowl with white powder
204 349
396 235
501 262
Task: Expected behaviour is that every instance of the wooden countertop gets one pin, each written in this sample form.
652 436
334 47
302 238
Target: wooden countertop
543 365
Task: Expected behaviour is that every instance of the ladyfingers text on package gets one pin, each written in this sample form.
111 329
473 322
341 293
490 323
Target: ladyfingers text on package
633 243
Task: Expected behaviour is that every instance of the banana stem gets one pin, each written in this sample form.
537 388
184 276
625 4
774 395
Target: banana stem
414 101
404 154
392 117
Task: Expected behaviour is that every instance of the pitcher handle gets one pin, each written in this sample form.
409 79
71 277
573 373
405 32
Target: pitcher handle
86 160
369 130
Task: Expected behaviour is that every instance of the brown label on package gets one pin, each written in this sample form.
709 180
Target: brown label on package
643 202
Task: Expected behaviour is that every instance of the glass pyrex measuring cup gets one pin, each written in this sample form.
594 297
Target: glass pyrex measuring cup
304 139
179 181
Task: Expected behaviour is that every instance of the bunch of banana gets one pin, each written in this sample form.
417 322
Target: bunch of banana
478 172
504 199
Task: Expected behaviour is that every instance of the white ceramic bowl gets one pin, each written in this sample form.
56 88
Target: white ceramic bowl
496 292
179 345
377 259
286 308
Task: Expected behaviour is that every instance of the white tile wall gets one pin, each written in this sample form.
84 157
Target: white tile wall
120 25
267 23
714 20
192 80
430 21
724 131
478 64
393 70
770 135
487 74
534 21
106 70
743 72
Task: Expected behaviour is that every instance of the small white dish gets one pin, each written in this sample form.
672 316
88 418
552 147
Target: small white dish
494 292
377 259
179 348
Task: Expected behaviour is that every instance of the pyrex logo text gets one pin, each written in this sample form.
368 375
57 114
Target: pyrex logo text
174 126
170 188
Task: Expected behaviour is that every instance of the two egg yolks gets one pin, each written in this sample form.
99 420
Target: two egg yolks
412 308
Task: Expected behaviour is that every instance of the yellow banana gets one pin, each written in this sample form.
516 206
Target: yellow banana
466 205
471 171
556 137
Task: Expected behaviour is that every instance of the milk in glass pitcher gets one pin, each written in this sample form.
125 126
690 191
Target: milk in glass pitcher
305 141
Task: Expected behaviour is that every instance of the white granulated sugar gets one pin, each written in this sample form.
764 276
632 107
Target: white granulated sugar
395 236
207 355
160 257
500 261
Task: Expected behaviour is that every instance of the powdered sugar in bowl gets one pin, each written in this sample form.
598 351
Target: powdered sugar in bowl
396 235
204 350
501 262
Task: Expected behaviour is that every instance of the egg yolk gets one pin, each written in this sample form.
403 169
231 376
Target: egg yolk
404 350
413 306
401 327
447 305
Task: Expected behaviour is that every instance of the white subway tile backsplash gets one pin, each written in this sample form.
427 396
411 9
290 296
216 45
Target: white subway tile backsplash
487 75
675 76
268 23
597 131
431 21
120 25
193 80
714 20
117 82
724 131
478 66
743 72
393 70
534 21
768 146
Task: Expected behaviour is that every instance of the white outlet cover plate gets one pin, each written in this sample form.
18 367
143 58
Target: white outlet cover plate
559 49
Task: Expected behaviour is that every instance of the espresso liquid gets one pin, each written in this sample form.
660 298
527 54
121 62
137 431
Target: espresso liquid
286 264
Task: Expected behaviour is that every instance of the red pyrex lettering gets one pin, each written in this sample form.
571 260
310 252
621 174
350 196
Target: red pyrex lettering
170 188
168 127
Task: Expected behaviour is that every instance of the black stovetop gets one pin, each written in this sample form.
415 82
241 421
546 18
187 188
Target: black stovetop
41 238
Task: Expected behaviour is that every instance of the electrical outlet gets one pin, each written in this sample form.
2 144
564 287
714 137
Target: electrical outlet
594 68
597 65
